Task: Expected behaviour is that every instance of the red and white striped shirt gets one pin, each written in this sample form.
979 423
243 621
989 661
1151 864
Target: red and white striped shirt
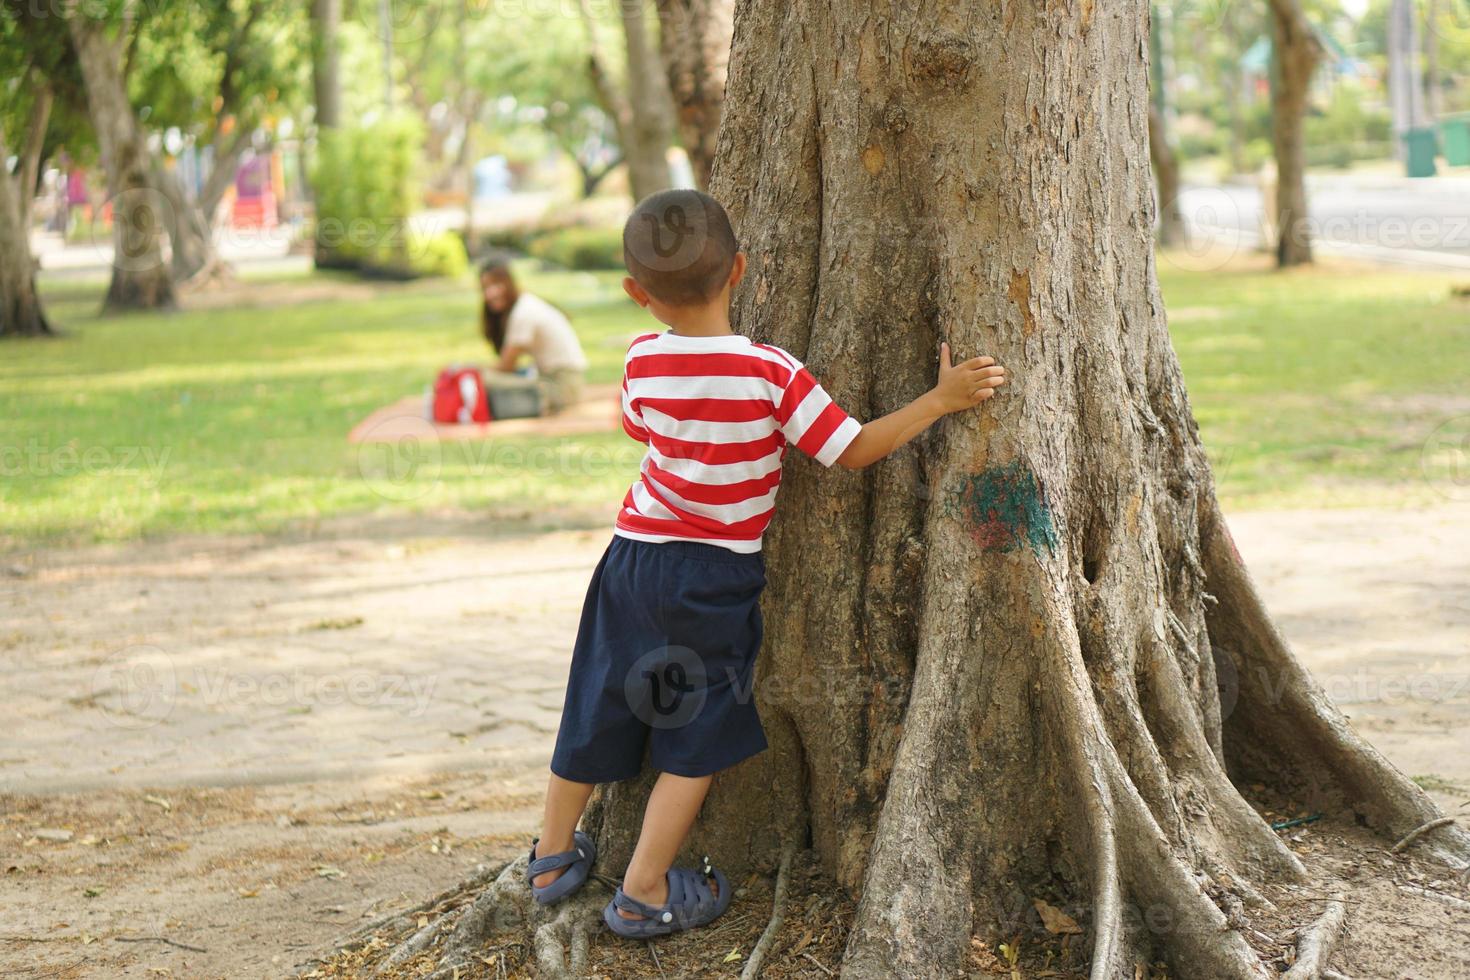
717 414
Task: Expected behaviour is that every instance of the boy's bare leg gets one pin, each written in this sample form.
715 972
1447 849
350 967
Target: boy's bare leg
672 807
565 801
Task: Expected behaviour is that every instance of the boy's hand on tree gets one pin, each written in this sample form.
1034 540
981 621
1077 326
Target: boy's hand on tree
968 383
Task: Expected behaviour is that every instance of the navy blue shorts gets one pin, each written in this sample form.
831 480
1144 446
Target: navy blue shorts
665 656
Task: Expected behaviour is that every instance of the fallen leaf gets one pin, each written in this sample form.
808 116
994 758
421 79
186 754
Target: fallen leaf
345 623
248 892
1057 922
733 956
327 871
159 802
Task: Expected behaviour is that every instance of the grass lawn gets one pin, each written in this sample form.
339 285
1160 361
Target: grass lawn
1316 388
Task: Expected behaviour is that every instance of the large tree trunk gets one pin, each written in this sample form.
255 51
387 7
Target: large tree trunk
993 663
1295 53
694 38
1166 179
20 308
651 132
140 277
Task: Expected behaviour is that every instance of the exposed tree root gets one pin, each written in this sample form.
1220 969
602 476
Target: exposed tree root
214 273
558 934
1148 887
1420 831
1459 904
1314 943
398 922
752 970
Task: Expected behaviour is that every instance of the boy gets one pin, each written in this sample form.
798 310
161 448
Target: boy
666 647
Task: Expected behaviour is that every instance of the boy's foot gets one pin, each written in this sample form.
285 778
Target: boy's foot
541 881
553 876
659 895
688 899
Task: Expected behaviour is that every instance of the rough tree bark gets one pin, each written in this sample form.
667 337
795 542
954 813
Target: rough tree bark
21 314
694 38
1021 658
1295 54
140 277
1166 179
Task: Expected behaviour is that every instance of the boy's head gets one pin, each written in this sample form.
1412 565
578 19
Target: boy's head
680 250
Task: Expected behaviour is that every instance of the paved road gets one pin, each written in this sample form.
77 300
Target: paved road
1411 222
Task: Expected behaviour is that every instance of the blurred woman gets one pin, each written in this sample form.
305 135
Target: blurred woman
517 324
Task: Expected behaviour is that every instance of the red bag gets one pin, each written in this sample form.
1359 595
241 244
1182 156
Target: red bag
459 396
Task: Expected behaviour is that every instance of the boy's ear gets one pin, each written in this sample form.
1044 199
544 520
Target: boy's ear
636 292
737 269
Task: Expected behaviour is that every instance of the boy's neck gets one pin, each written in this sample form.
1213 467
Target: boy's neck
710 320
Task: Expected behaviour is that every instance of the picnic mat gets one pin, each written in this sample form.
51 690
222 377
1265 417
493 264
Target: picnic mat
598 411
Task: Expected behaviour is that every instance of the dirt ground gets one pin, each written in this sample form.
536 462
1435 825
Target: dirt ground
223 753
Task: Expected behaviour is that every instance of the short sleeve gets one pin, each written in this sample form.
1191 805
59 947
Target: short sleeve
632 418
811 421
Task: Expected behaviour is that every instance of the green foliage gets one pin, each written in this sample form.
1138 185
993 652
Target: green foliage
1347 132
580 248
1257 154
366 190
197 63
442 254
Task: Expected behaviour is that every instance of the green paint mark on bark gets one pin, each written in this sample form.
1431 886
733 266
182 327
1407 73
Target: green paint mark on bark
1005 508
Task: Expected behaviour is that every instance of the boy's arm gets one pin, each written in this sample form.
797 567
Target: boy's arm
960 386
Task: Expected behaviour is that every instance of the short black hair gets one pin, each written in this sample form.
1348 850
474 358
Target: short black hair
679 246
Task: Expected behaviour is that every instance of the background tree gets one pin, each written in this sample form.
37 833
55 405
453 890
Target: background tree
214 70
326 22
1162 153
25 107
1021 659
643 115
20 307
141 279
694 39
572 112
1165 163
1295 52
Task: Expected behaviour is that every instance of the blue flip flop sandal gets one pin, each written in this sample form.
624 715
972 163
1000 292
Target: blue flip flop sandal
577 861
692 903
